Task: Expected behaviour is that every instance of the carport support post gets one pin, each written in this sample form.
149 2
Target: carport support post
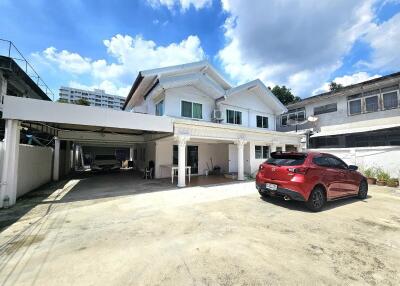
131 153
56 159
240 147
182 139
9 176
74 157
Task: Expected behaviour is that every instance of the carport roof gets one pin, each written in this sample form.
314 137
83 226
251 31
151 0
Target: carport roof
83 118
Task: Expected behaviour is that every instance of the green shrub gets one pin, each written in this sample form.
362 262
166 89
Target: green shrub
392 182
370 172
381 175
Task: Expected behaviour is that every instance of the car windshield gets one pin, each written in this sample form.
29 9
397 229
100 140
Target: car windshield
289 159
105 157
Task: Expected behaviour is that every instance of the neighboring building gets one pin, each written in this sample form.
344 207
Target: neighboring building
214 123
366 114
96 97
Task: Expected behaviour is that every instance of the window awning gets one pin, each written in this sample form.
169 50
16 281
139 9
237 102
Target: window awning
354 130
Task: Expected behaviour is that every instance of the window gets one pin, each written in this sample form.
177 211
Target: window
332 107
287 159
321 161
191 110
160 108
355 106
371 104
336 163
390 100
284 120
261 152
262 121
293 116
233 117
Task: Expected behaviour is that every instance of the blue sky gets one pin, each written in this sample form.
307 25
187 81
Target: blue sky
301 44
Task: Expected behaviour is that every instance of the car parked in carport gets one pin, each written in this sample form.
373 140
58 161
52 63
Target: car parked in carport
312 177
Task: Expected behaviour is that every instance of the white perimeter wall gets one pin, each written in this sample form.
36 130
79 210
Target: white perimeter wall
387 157
34 167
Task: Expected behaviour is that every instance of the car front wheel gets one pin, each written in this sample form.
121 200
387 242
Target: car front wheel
317 199
363 190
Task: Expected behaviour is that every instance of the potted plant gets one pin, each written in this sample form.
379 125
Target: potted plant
382 177
392 182
370 173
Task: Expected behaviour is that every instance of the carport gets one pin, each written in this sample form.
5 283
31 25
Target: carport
72 125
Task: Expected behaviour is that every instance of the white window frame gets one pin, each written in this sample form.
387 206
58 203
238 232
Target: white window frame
157 103
195 118
262 116
361 107
364 110
262 152
398 100
234 116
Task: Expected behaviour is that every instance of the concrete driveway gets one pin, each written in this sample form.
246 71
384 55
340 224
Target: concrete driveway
102 231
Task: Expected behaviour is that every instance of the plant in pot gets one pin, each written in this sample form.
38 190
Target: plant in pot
382 177
370 173
392 182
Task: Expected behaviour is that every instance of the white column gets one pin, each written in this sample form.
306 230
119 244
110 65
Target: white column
56 159
273 147
3 85
182 139
240 150
67 157
9 176
74 156
284 148
131 153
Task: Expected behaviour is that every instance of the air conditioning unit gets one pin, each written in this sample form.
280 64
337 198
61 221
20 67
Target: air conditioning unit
217 115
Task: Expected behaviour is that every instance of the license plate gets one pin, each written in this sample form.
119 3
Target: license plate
272 187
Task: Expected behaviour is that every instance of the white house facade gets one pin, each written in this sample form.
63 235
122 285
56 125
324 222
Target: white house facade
215 124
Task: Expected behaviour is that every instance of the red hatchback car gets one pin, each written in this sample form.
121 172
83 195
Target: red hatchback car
314 178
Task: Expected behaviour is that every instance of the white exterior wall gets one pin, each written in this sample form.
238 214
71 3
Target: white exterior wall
34 167
385 157
250 105
217 151
174 96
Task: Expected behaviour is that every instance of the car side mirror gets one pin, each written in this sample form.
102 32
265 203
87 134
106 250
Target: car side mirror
352 168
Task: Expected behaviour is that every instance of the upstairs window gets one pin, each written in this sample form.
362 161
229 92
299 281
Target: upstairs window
371 104
284 120
233 117
355 106
160 108
390 100
262 121
293 117
191 110
332 107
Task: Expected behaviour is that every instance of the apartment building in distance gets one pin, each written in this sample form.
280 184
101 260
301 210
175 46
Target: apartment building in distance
96 97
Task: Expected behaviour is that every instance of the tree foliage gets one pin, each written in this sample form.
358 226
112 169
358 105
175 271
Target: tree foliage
333 86
62 100
82 101
284 94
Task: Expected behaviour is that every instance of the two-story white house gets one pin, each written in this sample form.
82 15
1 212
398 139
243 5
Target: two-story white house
215 124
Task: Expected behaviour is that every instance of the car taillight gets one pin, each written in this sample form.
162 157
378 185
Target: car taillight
300 170
261 167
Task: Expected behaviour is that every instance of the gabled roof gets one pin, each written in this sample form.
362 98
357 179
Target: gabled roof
264 92
200 73
146 80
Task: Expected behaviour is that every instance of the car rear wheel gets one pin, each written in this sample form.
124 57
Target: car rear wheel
264 195
363 190
317 199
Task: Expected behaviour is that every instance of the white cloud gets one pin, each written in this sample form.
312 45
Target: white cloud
347 80
67 61
384 40
184 5
131 55
296 43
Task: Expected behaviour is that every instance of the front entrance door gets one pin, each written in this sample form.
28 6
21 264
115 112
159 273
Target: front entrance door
193 158
233 160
